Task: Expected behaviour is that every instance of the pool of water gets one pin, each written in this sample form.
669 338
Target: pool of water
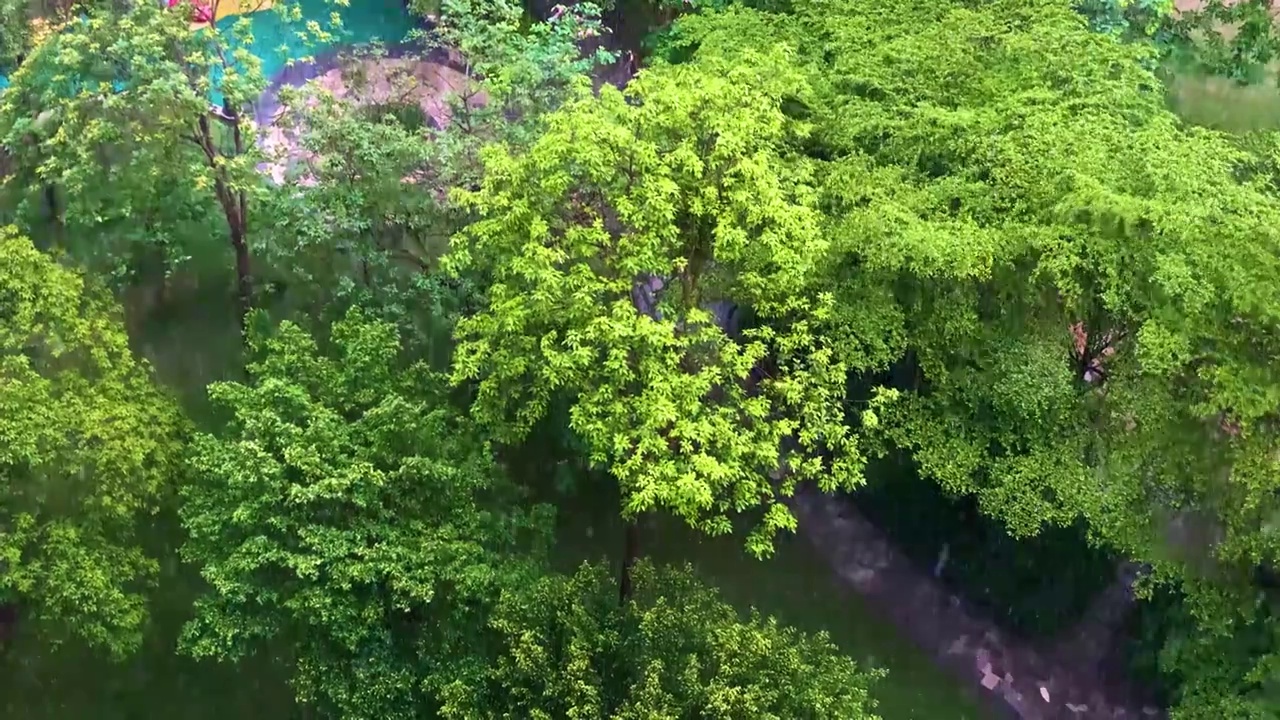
279 43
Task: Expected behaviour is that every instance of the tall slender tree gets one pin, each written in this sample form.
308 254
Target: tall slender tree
115 112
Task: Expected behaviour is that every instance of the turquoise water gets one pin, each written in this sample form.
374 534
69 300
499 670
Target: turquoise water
277 43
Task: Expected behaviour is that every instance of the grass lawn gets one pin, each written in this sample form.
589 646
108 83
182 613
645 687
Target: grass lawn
1221 104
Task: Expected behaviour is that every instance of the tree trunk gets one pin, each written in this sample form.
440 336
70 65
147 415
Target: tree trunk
51 204
235 206
630 553
244 275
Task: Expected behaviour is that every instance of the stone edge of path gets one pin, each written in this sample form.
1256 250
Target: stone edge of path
1018 679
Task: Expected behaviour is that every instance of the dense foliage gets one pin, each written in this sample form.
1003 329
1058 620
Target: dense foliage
348 511
983 199
89 448
675 651
806 236
690 182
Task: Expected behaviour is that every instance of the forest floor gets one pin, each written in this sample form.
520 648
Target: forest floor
1074 678
1222 104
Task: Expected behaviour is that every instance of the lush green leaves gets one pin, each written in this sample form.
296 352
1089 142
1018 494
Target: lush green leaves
88 447
348 511
691 177
967 231
994 175
676 650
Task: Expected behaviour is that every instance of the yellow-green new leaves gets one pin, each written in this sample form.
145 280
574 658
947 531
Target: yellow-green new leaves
348 510
690 181
567 650
87 447
997 173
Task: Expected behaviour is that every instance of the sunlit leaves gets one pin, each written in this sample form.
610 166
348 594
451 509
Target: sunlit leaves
88 447
995 174
347 509
692 177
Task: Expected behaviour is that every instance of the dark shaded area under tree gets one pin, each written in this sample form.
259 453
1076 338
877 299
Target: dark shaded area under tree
1035 587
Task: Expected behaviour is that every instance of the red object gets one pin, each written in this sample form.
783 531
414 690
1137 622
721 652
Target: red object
202 14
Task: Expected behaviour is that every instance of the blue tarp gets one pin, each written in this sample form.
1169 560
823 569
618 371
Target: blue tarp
276 41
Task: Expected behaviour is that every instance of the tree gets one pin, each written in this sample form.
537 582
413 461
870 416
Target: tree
114 111
604 243
1143 20
523 71
362 224
994 177
676 651
1236 40
368 215
348 511
25 23
88 448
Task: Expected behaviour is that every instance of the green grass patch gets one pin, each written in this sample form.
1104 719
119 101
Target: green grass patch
1223 104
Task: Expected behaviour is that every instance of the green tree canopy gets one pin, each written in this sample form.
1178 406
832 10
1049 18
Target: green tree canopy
110 123
996 174
369 216
88 448
690 184
348 511
675 651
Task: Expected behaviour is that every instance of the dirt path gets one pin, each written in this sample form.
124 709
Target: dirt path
1021 681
